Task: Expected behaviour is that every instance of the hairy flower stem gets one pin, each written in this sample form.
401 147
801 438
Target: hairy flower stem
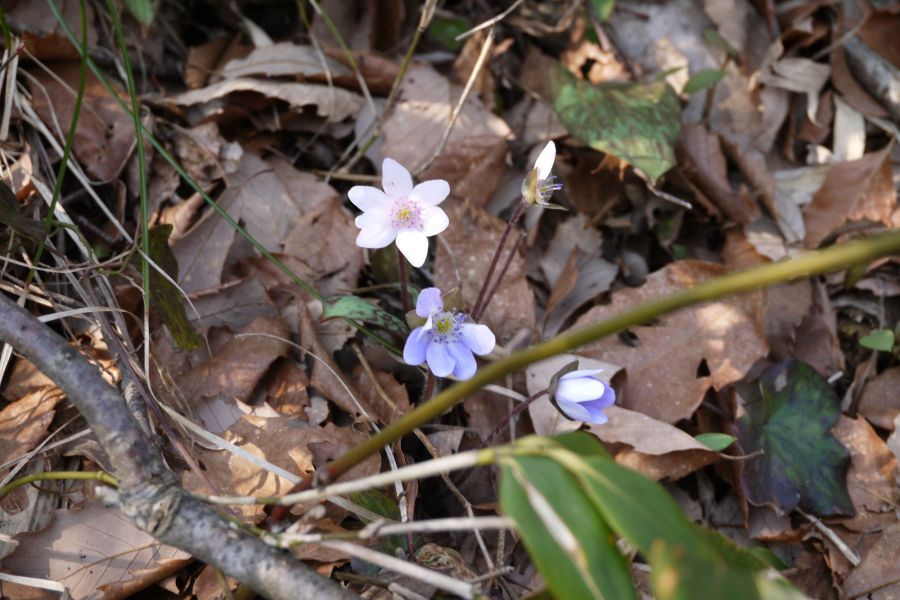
404 282
512 415
478 309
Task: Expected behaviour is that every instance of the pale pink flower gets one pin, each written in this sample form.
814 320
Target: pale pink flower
402 212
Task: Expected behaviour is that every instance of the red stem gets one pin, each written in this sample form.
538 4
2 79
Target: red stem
513 219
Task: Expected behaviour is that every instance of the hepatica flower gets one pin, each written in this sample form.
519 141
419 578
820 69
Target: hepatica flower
581 396
539 184
402 212
446 341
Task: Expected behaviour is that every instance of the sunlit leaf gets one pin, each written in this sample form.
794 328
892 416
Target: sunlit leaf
878 339
637 122
790 411
715 441
603 8
702 80
566 537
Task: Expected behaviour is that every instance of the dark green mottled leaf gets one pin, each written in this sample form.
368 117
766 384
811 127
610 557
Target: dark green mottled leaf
637 122
165 297
702 80
878 339
548 505
715 441
790 411
359 309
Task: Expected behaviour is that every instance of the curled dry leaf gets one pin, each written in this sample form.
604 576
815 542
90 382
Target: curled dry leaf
474 158
851 191
676 360
872 476
238 365
470 244
280 60
332 103
104 137
96 552
656 449
880 402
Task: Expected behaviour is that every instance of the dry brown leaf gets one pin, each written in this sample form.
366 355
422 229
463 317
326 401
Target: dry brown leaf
97 553
703 162
880 402
816 341
237 367
267 197
472 239
385 412
656 449
475 155
25 422
665 369
584 277
332 103
853 190
287 389
205 59
879 567
233 306
872 477
25 379
324 238
280 60
42 34
104 138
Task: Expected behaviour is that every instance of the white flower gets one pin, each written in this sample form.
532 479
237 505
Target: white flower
401 212
539 184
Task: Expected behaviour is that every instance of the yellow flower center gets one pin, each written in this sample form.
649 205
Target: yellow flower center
444 324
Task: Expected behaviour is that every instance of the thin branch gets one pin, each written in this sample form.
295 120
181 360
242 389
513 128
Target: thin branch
149 493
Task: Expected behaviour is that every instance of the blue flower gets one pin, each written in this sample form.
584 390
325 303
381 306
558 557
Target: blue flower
446 341
582 397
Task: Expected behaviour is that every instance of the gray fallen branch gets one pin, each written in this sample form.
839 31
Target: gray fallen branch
149 494
879 77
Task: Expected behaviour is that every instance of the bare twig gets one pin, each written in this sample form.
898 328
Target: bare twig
149 494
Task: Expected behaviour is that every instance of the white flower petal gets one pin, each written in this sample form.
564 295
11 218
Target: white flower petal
544 162
366 197
434 220
431 192
582 389
374 218
376 237
582 373
479 338
395 179
414 246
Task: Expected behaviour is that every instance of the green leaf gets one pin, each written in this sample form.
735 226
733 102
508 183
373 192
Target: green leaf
714 38
790 411
878 339
603 8
359 309
570 544
715 441
702 80
164 296
638 122
143 10
581 443
679 575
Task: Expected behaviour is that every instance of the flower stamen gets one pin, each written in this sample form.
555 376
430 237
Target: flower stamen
406 214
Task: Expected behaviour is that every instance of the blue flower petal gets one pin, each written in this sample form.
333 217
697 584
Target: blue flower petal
465 362
416 346
573 410
439 360
429 302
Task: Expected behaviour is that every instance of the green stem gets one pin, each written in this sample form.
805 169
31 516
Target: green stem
830 259
57 475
